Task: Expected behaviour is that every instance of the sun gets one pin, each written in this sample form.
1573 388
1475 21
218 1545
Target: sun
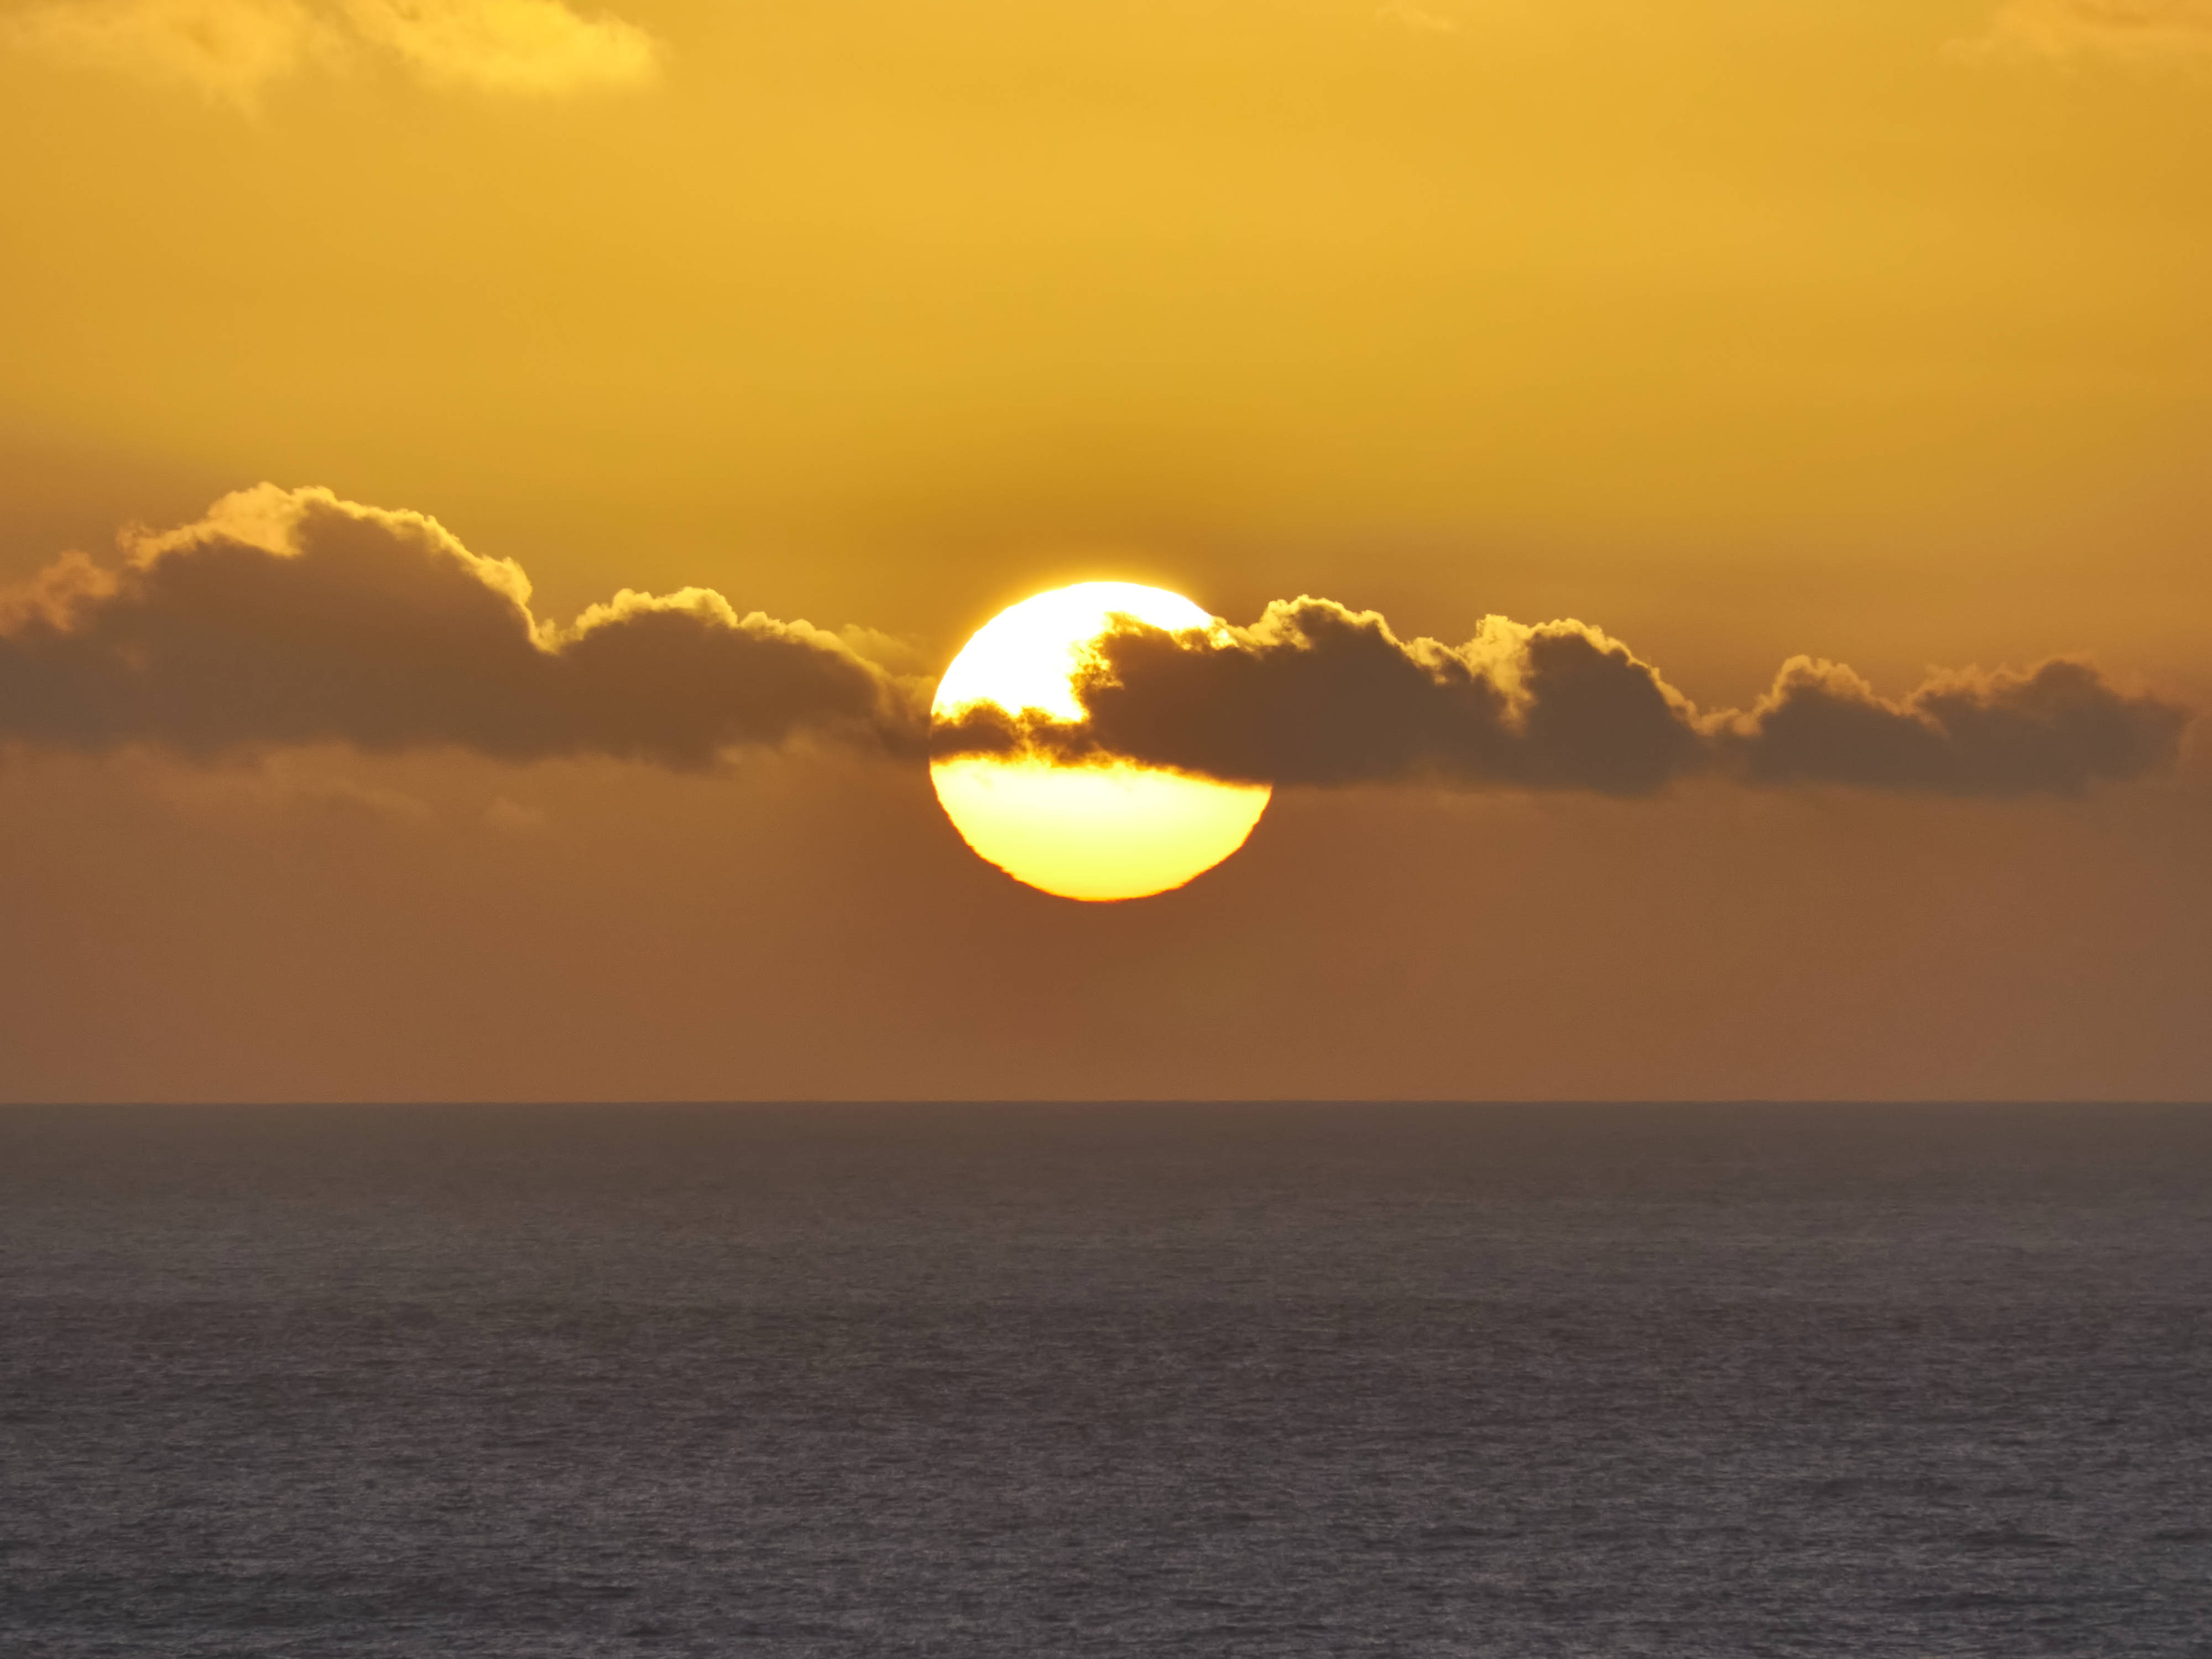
1112 831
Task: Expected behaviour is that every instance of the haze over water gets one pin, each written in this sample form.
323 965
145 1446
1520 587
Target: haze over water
1158 1379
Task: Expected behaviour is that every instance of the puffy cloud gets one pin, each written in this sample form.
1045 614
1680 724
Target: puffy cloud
232 50
288 618
291 617
1316 694
2120 29
2055 729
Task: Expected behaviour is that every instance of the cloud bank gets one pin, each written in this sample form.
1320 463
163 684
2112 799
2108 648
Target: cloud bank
233 50
1316 694
2053 729
290 617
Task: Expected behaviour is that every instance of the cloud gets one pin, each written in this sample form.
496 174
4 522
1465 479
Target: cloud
1317 694
290 618
228 50
2137 29
514 818
286 618
276 788
505 46
1418 19
232 50
2053 729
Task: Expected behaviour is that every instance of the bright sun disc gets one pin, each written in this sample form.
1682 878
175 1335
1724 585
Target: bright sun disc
1110 831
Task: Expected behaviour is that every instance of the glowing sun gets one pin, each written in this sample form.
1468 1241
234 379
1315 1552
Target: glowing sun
1112 831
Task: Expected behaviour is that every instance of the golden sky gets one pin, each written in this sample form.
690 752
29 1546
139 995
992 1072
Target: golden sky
1874 332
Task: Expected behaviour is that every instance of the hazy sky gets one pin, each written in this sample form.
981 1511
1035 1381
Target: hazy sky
1872 332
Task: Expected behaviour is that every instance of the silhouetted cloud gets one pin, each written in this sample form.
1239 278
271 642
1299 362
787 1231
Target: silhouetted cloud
1315 694
2054 730
232 50
290 617
2139 29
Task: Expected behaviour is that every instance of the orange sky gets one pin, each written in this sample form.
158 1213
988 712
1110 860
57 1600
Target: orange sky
1871 331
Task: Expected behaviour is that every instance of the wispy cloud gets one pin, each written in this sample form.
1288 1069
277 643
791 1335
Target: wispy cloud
1420 19
505 46
229 50
2138 29
232 51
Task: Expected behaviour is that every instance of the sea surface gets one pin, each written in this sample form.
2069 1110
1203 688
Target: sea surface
1147 1380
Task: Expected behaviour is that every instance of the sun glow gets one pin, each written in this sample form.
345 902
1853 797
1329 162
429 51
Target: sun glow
1114 830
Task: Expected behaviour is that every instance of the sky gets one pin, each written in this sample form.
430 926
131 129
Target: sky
1833 368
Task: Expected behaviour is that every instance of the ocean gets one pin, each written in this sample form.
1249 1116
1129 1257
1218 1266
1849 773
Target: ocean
1156 1379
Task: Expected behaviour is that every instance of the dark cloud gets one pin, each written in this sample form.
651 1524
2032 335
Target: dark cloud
2054 730
294 617
1313 693
1316 694
288 618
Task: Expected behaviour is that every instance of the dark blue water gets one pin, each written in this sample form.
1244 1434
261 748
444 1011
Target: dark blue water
1158 1381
